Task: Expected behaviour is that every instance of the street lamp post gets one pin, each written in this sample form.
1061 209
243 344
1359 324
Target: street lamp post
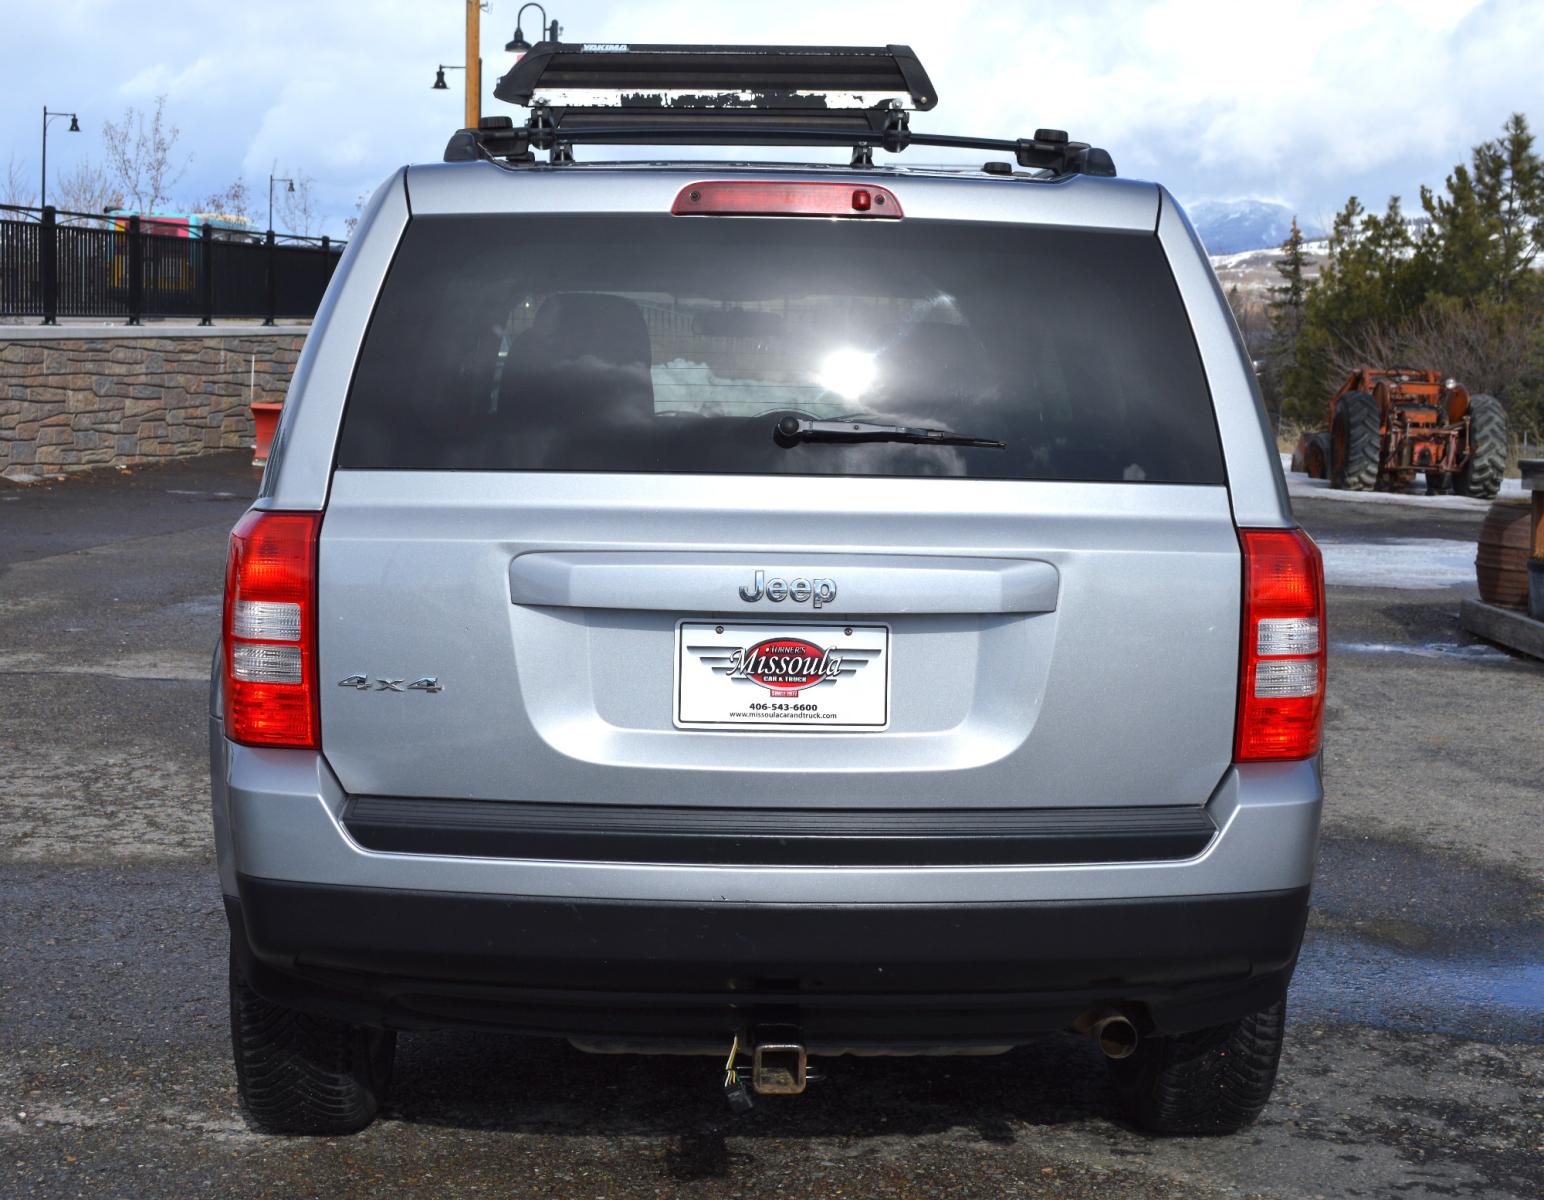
271 181
473 62
473 109
550 32
74 128
473 66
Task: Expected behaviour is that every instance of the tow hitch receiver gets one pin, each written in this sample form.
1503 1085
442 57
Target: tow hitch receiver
779 1069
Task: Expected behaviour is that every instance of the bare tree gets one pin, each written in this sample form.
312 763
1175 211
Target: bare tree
233 201
1254 320
1496 352
86 189
1253 315
1379 346
142 158
352 223
15 187
298 209
1486 351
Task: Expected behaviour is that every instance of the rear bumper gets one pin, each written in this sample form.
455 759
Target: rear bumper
881 954
845 976
280 814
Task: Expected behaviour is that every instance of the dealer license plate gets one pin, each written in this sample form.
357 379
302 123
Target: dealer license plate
803 677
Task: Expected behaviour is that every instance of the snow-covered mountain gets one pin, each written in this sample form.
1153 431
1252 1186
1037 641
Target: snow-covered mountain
1253 267
1231 226
1255 270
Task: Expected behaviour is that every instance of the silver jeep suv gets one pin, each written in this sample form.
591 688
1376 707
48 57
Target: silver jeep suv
811 609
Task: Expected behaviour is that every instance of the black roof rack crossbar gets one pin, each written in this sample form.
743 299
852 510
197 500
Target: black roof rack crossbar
557 130
653 76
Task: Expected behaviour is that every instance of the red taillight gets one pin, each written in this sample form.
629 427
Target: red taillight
750 198
270 631
1281 666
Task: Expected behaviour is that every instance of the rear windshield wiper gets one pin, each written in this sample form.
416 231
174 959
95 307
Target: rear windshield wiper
790 430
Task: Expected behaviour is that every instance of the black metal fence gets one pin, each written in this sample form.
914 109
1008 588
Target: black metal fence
62 264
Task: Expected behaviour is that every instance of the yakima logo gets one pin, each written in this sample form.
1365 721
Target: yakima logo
800 591
785 665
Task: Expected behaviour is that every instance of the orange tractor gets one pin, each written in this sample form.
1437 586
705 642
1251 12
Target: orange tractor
1386 425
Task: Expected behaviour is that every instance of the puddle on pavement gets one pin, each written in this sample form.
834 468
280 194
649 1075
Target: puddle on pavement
1411 939
1472 651
1342 978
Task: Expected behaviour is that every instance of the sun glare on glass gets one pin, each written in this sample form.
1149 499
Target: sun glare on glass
848 373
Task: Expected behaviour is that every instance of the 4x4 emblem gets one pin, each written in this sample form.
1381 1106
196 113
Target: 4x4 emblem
429 683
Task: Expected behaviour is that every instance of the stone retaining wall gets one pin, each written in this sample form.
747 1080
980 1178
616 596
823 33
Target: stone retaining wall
72 401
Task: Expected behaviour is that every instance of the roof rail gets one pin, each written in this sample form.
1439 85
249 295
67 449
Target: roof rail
734 96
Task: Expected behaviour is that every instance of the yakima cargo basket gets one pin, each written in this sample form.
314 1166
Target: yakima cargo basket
671 95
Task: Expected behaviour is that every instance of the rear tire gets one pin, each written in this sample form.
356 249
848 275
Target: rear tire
302 1074
1481 475
1316 458
1209 1082
1356 439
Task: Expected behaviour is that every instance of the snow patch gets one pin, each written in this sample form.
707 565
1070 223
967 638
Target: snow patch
1412 564
1265 257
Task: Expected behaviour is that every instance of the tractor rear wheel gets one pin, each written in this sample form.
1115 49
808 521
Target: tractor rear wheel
1356 443
1481 475
1316 458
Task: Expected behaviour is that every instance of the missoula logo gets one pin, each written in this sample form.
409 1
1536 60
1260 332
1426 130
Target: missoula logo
785 665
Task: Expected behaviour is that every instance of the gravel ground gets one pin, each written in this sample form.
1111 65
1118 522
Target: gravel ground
1415 1060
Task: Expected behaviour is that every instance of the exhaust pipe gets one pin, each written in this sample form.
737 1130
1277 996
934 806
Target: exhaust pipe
1112 1030
1116 1035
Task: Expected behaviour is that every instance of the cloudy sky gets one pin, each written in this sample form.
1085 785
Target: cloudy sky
1303 101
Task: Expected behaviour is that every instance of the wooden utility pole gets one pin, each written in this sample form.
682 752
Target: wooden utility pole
473 64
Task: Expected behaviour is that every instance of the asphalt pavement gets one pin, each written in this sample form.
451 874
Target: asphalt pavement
1415 1058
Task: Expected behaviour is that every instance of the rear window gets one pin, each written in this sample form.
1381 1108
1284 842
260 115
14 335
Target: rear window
675 344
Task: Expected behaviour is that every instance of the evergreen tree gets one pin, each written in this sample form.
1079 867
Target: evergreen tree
1509 178
1459 241
1370 276
1486 231
1286 302
1285 306
1369 280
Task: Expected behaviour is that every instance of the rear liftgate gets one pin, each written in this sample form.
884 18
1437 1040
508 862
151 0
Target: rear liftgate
743 95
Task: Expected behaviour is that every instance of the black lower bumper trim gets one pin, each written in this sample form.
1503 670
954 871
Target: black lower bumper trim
777 837
843 973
